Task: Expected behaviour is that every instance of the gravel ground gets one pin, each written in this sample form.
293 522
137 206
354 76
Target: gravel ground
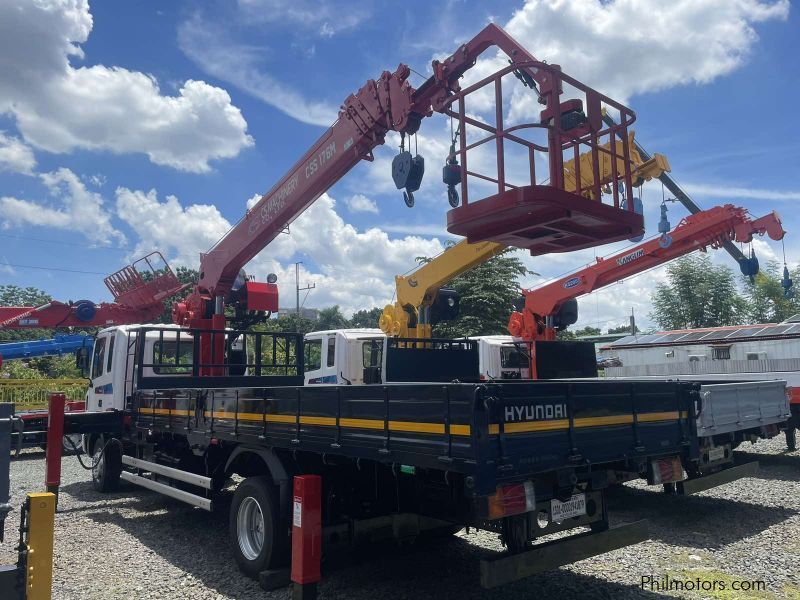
136 544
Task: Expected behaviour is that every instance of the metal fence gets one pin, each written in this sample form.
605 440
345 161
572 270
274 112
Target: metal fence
33 393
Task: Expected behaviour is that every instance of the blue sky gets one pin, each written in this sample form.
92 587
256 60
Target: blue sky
140 126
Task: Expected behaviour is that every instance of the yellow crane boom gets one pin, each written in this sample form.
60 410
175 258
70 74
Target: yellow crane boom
416 293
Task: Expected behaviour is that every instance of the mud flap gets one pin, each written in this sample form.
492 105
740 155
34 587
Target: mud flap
706 482
544 557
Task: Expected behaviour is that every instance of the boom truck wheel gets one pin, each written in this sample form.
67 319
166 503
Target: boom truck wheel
107 465
258 535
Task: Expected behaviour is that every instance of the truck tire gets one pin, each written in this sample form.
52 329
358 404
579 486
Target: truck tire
791 438
259 541
107 466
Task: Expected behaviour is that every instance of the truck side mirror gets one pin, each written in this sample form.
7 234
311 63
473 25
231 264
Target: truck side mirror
82 360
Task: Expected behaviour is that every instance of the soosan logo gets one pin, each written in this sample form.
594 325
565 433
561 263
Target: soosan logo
571 283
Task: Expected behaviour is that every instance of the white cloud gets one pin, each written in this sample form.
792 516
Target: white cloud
765 251
177 231
241 65
354 269
623 48
328 18
58 107
77 210
15 155
611 306
7 268
360 203
731 192
97 180
418 229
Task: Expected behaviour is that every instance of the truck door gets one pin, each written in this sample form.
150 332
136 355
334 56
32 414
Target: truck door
514 361
101 386
372 353
312 353
320 357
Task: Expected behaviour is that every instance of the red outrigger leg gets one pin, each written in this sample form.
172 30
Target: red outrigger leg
55 435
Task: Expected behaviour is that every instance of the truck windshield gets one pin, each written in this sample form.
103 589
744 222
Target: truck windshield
99 355
313 354
166 360
371 352
513 357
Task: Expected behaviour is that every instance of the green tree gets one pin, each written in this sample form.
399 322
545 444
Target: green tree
366 318
330 318
185 276
487 295
13 295
765 301
587 331
290 323
622 329
20 369
697 294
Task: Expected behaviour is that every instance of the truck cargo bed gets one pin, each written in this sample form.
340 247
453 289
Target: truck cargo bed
731 407
498 432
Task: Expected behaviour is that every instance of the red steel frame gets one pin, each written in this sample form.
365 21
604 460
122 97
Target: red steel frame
546 218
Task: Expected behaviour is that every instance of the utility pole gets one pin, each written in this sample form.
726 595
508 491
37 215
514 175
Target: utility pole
297 287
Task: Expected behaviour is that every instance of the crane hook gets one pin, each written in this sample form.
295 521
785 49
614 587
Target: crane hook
451 173
407 172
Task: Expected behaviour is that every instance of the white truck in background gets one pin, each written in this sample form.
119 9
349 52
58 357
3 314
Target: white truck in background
357 356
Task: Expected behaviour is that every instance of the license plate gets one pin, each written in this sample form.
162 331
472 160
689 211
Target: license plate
574 507
716 454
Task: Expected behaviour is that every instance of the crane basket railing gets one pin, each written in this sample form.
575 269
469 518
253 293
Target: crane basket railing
602 141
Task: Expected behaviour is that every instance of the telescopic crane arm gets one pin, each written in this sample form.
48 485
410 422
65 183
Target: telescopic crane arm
386 104
552 306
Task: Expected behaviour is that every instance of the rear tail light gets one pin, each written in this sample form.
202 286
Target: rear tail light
512 500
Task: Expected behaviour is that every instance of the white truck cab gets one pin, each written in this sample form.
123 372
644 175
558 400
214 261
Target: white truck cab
110 364
356 356
342 356
503 357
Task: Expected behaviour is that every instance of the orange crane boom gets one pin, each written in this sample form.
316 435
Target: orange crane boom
553 306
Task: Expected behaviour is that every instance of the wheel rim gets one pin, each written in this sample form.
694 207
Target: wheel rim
98 458
76 439
250 528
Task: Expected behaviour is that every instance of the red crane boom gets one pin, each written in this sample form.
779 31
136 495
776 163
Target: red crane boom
552 306
390 103
139 291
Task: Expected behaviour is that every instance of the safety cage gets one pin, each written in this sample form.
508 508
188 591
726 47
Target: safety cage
212 358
